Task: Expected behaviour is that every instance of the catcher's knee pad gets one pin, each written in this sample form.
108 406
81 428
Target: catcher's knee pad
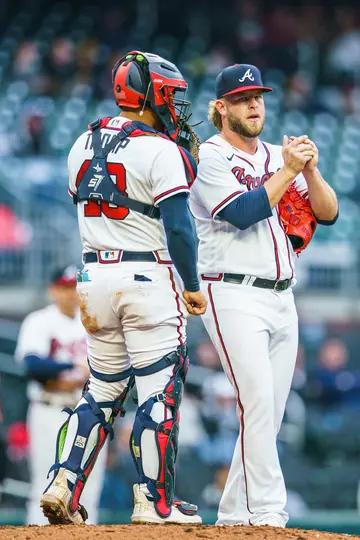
87 427
166 432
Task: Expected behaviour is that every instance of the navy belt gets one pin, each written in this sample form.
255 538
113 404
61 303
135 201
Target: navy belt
275 284
144 256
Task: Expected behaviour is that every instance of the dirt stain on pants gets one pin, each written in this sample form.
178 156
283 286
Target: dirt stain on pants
89 321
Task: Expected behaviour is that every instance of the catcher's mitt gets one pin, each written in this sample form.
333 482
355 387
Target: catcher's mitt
188 139
298 219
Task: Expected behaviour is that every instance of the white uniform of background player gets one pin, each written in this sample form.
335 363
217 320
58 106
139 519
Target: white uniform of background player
49 333
132 300
254 329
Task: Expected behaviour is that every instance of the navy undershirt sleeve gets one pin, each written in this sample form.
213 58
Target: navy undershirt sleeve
247 209
43 369
328 222
180 236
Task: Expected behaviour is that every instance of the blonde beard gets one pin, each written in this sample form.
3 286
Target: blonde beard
242 129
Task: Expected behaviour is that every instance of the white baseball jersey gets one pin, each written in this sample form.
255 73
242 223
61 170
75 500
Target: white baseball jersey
149 169
225 173
49 333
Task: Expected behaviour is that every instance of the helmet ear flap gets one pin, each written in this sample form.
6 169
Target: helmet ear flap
130 78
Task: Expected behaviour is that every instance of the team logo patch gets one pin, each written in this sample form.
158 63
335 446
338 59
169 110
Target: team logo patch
248 75
109 256
80 441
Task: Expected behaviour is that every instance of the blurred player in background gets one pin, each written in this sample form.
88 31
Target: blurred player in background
52 345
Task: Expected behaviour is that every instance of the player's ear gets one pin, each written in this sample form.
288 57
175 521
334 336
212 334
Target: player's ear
220 106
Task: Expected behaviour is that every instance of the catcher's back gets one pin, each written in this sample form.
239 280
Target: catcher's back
148 169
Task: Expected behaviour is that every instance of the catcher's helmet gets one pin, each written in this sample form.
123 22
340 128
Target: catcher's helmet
144 79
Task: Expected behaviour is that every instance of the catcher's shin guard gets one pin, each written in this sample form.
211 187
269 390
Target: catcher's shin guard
166 432
93 423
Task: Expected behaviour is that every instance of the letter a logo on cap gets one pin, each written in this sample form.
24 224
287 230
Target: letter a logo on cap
248 75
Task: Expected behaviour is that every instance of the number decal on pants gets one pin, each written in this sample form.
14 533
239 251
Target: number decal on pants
96 208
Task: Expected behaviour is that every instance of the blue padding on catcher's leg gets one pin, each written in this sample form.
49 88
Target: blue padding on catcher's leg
115 377
99 414
168 360
166 431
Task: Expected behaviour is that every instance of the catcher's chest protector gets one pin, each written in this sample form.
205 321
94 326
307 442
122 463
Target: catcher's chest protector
96 183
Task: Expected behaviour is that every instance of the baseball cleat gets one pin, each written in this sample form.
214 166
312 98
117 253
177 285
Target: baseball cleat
144 511
56 503
272 520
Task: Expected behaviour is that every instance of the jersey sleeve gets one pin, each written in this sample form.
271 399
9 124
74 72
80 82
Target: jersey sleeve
72 172
168 174
75 162
33 338
215 185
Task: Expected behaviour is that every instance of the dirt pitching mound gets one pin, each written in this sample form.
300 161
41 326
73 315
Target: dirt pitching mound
161 532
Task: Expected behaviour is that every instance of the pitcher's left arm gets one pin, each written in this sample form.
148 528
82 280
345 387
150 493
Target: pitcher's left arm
322 197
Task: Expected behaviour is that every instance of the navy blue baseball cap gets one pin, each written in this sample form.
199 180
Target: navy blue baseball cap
64 276
238 78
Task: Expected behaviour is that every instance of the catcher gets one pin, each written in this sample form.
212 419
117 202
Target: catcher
129 177
254 204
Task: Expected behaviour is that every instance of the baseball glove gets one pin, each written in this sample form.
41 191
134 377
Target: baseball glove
188 139
298 219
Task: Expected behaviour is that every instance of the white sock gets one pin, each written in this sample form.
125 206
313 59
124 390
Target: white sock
144 489
70 476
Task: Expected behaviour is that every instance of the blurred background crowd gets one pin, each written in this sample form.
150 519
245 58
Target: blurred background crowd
55 77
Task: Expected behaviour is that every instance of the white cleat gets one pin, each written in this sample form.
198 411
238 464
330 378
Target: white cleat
55 503
272 520
144 512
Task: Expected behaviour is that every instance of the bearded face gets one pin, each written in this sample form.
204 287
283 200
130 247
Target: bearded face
245 113
244 127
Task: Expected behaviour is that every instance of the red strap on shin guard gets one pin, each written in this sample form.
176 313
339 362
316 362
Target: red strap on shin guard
79 484
162 438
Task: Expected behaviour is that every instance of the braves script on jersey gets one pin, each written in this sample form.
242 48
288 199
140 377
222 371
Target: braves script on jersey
49 333
145 178
224 248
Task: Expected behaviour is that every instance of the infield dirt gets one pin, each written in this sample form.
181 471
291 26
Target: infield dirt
161 532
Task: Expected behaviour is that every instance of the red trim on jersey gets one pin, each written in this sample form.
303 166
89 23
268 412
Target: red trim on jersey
248 162
276 250
287 243
218 207
266 166
71 193
209 142
206 278
177 298
156 253
242 421
170 191
82 170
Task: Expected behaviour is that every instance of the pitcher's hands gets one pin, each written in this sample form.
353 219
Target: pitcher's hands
297 152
